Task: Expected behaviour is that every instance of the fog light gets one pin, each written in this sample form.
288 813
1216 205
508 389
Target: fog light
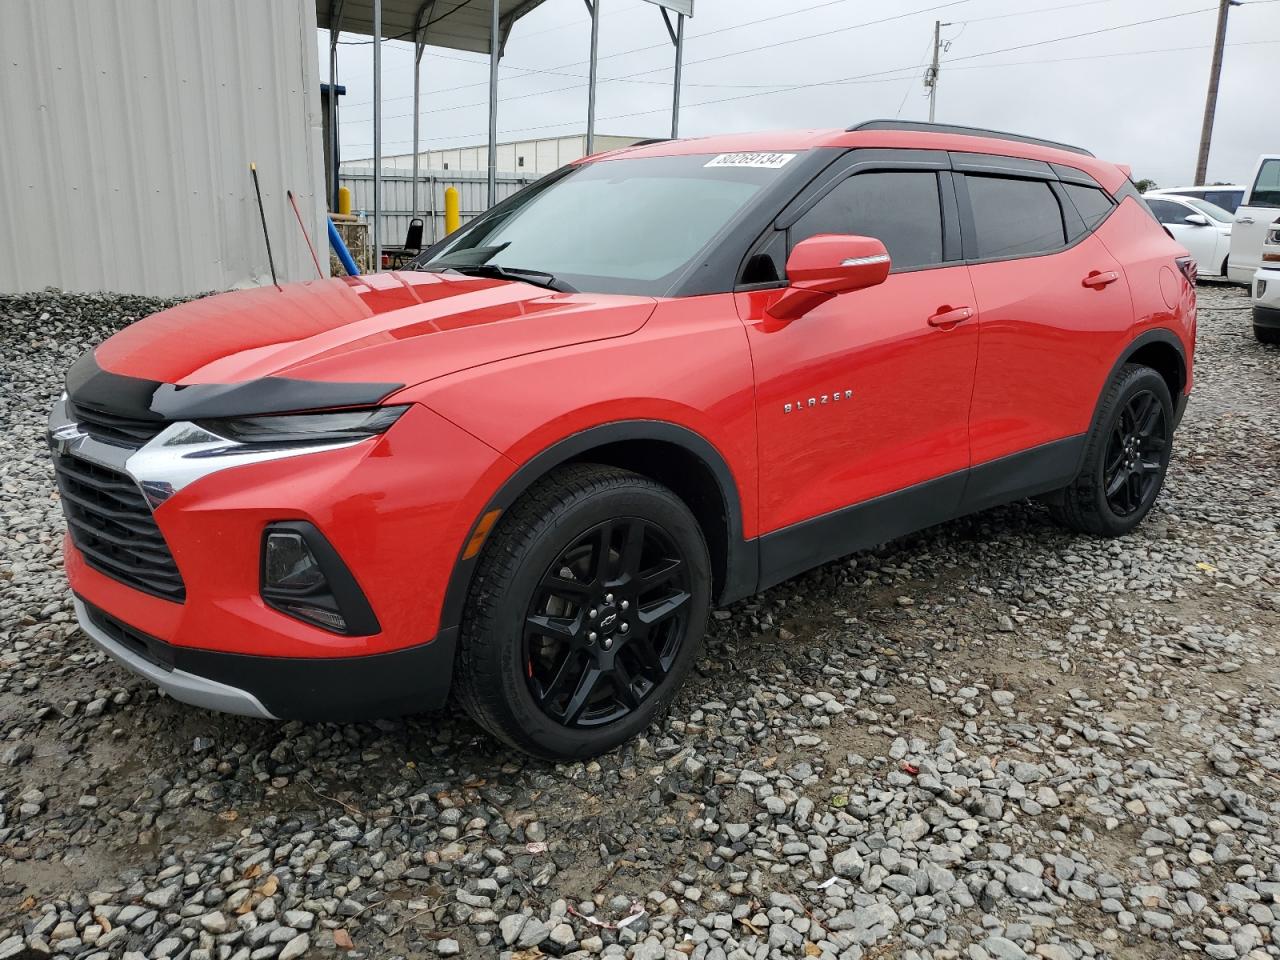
1262 288
303 577
290 563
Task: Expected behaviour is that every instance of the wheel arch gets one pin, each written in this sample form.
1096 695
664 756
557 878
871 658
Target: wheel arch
1163 352
665 452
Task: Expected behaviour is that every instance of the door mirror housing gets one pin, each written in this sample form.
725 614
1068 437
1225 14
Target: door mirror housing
823 266
1196 219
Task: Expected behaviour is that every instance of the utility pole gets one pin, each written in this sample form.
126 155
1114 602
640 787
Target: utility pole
931 75
1211 101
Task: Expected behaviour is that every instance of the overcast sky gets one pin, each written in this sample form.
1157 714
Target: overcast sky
1106 92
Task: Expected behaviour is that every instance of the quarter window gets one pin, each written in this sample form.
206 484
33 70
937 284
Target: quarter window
1092 204
1015 218
901 209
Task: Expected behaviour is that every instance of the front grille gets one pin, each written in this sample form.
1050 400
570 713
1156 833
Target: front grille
111 524
113 428
132 639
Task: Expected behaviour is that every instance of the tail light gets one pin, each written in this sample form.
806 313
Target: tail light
1188 267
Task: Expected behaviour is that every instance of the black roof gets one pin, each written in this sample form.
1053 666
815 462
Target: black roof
917 126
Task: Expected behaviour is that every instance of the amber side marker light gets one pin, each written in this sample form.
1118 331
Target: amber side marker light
481 532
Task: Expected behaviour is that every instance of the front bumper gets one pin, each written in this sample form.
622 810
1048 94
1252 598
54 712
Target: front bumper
289 688
397 509
1266 298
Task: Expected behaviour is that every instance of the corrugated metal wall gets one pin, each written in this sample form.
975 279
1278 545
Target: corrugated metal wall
126 132
473 190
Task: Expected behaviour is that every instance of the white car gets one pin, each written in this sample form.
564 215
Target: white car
1226 195
1260 207
1266 289
1200 226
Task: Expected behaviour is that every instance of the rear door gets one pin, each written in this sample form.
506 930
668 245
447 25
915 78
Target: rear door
1054 309
1259 210
868 394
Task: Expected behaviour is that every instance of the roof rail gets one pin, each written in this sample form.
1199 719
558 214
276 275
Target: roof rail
921 127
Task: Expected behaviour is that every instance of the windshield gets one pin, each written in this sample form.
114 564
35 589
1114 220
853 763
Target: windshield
627 226
1211 210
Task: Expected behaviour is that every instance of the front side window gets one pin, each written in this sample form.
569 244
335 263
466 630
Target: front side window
901 209
1266 188
1014 218
1211 210
1167 211
628 226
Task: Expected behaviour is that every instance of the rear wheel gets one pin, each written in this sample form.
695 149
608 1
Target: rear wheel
1126 457
585 614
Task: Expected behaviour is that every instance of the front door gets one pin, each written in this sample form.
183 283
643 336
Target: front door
1260 209
867 396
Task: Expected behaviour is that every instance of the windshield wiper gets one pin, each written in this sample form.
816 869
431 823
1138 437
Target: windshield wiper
539 278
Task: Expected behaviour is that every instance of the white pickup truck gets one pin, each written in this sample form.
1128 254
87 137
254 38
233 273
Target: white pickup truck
1256 214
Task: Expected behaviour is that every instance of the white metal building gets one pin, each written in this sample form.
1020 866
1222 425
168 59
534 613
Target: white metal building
128 130
515 158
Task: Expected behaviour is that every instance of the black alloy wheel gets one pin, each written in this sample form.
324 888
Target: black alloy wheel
1136 454
605 623
1125 459
585 612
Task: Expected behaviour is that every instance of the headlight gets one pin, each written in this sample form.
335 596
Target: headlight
306 427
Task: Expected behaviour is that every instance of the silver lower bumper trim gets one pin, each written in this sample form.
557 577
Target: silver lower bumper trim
187 687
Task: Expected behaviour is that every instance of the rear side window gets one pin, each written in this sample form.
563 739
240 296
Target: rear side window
1228 200
1092 204
1014 218
901 209
1266 188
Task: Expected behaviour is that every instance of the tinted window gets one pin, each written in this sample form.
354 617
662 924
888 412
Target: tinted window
1228 200
902 210
1266 189
1015 218
1092 204
1167 211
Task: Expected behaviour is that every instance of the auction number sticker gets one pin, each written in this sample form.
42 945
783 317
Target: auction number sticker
761 161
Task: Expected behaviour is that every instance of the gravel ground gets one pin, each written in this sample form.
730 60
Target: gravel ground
992 740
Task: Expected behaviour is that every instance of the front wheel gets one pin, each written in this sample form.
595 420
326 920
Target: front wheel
1126 457
586 612
1266 334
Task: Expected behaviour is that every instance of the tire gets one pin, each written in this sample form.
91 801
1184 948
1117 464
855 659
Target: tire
541 615
1085 505
1266 334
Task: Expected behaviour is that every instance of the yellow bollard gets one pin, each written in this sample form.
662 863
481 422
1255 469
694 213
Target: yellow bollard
452 210
344 201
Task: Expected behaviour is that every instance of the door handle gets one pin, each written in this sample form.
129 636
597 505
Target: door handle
949 318
1097 280
1245 220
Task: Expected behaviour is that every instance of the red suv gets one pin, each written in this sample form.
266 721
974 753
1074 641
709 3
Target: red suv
656 380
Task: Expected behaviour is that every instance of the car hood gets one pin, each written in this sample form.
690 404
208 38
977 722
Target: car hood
395 328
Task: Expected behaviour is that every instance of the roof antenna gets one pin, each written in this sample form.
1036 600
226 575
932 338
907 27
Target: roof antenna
253 169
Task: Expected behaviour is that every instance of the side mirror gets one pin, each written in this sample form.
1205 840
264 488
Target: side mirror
1196 219
828 264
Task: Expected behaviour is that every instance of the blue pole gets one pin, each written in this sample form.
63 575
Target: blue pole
340 248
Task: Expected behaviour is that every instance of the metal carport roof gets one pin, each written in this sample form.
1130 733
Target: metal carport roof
481 26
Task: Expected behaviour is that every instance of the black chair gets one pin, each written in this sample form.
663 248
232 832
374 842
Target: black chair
397 256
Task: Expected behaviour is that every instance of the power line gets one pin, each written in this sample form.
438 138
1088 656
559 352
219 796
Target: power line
689 63
870 78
